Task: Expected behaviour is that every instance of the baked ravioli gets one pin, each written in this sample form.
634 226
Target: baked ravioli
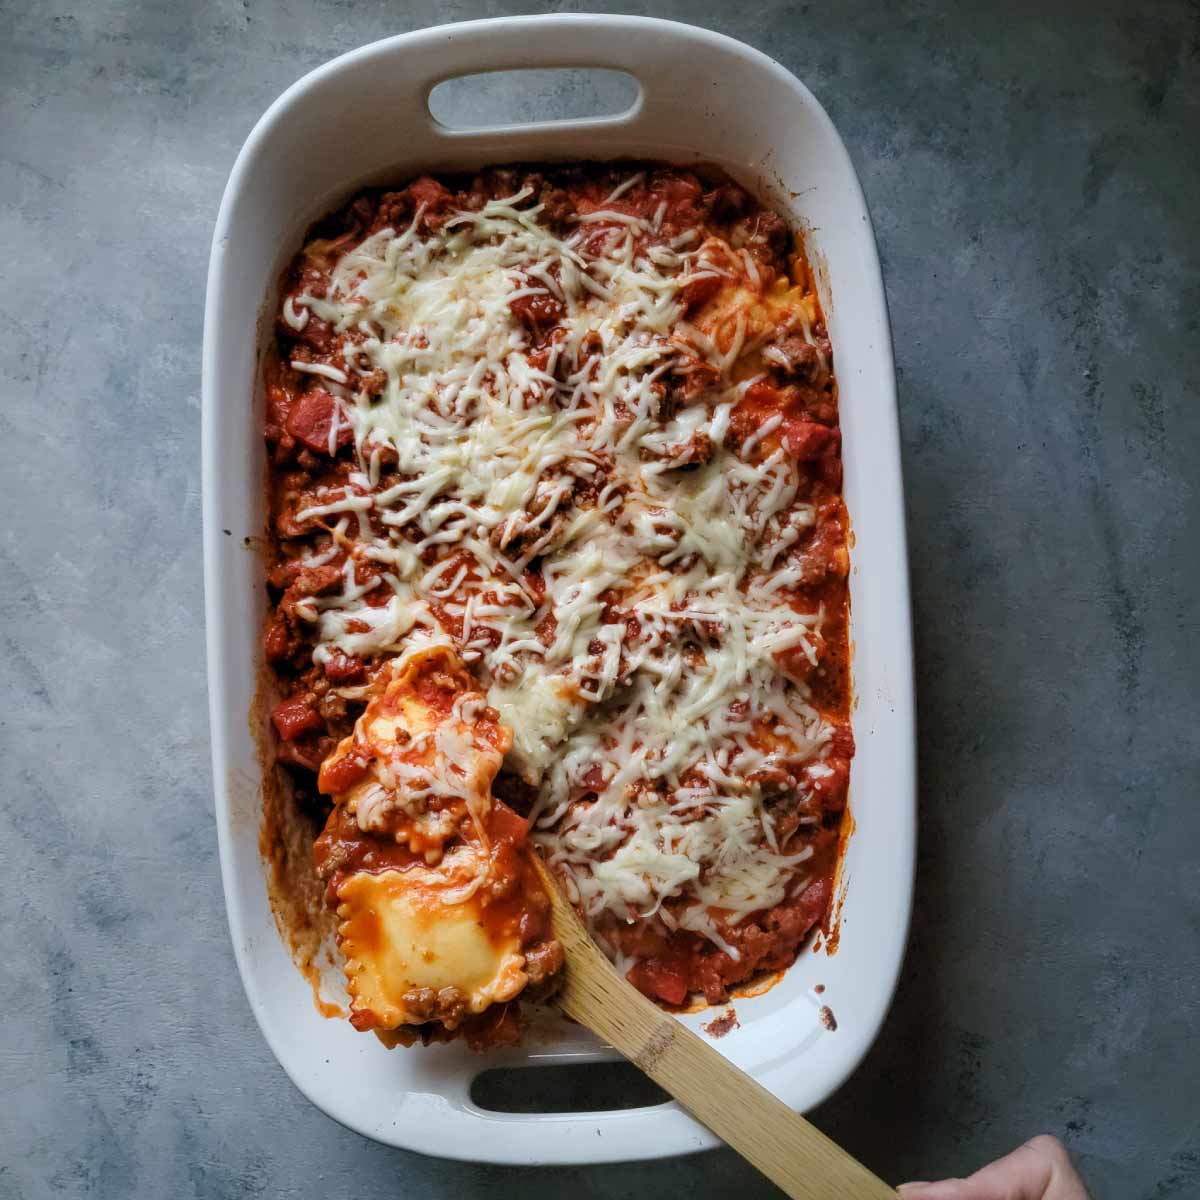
440 917
559 553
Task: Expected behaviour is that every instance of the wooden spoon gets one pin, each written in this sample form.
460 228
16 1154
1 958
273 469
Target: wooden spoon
789 1151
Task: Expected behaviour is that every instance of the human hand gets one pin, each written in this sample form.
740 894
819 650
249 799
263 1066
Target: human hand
1039 1170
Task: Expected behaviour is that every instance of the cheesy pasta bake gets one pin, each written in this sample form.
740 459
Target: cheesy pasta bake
558 557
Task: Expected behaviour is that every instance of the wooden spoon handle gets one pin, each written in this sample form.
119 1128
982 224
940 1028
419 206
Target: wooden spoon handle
789 1151
799 1158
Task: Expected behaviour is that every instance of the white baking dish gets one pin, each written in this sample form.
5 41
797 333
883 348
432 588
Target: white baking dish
364 118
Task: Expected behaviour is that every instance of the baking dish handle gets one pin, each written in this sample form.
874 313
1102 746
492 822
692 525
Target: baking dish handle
651 51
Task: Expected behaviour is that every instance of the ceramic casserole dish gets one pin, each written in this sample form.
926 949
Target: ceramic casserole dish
362 119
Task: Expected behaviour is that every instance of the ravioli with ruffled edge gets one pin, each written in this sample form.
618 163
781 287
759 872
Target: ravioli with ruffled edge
442 922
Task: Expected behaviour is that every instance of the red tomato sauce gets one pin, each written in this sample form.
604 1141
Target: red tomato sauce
310 449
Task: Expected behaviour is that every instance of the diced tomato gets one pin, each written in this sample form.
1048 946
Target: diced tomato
310 581
310 419
660 980
807 441
345 668
340 774
429 192
698 292
506 825
593 778
538 311
804 439
759 404
277 640
295 717
682 193
813 902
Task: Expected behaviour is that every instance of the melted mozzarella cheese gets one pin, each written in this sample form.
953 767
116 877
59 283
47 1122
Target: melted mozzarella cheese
633 682
540 709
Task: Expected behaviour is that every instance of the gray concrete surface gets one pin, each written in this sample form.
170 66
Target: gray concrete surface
1035 179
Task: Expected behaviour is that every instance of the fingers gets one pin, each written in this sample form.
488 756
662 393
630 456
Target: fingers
1024 1174
946 1189
1039 1170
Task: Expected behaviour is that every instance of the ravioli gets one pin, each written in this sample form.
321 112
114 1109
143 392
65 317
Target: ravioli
438 908
423 755
416 951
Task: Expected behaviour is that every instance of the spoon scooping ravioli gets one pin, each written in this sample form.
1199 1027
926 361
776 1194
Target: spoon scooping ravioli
442 919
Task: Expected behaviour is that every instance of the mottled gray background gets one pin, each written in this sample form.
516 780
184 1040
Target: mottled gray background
1034 174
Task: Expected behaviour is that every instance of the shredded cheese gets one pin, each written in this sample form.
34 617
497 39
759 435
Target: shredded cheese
638 677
